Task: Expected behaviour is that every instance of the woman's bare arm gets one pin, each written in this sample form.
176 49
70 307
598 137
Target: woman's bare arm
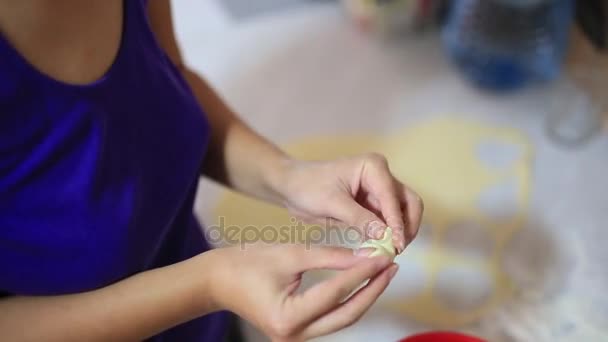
238 157
130 310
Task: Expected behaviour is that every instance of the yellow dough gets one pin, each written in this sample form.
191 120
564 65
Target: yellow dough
439 158
383 246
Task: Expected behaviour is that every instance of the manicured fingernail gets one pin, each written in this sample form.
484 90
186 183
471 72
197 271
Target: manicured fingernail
364 252
376 230
393 270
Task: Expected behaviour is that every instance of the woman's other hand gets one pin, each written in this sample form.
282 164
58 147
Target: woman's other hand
260 283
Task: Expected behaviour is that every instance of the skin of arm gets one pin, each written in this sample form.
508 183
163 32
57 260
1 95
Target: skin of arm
238 157
130 310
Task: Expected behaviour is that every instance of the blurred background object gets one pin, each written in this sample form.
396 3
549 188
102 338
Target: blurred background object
592 16
441 337
578 106
246 9
574 112
506 44
394 16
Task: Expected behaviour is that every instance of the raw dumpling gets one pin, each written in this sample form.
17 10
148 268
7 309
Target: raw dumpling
383 246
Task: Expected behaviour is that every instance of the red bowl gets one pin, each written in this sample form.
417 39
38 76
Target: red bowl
441 336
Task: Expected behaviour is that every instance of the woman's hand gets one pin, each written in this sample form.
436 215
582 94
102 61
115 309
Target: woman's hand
356 192
259 284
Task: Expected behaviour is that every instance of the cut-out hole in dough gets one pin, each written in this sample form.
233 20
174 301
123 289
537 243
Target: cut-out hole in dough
536 264
463 288
496 154
499 201
469 239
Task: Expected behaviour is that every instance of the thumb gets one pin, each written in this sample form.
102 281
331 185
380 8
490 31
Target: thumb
351 213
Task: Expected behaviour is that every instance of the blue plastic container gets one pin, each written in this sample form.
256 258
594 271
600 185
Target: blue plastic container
506 44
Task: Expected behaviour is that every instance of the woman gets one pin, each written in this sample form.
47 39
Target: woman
103 133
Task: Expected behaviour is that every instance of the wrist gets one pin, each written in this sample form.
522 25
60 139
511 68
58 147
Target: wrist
206 269
277 178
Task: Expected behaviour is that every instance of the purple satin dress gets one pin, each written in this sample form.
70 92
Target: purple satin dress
97 181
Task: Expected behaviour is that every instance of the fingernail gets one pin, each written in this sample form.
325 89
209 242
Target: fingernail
393 270
401 247
376 230
364 252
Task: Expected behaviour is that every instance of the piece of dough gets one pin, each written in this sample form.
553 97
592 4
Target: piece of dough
383 246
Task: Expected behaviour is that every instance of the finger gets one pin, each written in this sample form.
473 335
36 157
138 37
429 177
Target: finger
351 310
324 257
329 294
399 235
347 210
414 208
390 205
381 184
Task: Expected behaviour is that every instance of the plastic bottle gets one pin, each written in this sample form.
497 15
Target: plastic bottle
506 44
